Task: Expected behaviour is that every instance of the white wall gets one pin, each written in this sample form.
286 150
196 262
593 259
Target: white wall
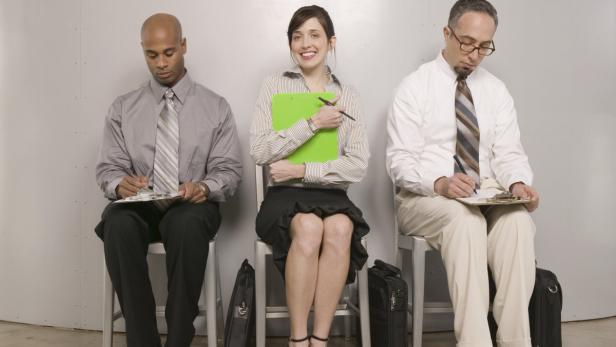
62 63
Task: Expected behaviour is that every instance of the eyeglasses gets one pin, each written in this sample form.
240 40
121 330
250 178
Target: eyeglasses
470 48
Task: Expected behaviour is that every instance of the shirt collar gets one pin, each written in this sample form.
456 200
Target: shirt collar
295 72
445 67
449 71
180 89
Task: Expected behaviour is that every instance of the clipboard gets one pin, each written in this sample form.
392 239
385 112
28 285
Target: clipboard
288 108
147 194
492 196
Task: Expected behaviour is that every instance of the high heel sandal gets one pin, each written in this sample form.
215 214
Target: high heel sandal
299 340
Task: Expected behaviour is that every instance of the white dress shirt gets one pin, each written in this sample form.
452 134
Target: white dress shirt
422 130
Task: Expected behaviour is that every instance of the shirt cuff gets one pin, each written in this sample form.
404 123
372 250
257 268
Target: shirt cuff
516 179
313 173
428 181
300 132
216 193
110 190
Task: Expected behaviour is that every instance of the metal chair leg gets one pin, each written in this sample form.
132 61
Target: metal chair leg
346 298
220 319
364 305
419 268
260 297
108 298
210 293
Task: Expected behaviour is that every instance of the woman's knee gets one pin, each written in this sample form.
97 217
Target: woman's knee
307 233
337 233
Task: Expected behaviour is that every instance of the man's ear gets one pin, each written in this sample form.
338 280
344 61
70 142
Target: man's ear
183 45
446 32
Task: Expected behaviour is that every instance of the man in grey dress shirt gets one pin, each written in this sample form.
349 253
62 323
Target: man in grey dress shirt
207 163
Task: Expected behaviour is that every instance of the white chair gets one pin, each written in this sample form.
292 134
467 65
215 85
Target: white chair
263 312
418 246
211 288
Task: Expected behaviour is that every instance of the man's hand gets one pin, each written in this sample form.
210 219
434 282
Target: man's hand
328 117
526 192
284 170
193 192
130 185
456 186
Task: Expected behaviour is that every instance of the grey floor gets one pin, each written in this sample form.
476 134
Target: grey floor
595 333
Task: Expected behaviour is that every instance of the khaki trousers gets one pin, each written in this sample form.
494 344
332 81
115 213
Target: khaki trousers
468 240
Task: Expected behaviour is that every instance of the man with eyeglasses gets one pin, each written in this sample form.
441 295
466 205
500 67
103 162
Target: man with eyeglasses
451 110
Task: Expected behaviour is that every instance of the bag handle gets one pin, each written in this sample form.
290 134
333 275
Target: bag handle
383 266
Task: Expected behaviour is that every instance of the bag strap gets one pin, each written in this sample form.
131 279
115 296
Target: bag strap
388 268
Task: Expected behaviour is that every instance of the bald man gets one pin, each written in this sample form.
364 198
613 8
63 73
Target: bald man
171 135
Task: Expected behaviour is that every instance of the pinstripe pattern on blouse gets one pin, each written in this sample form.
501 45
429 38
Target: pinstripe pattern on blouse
268 146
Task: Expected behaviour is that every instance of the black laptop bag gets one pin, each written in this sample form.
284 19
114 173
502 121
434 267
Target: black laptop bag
388 294
240 325
544 310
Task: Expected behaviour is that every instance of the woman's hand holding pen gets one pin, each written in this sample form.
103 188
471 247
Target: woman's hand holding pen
523 191
284 170
456 186
328 117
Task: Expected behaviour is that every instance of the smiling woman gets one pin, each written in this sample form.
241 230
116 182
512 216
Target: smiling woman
306 216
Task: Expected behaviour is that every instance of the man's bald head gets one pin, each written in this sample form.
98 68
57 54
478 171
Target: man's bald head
164 48
161 22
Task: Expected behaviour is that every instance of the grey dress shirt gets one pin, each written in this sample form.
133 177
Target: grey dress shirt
208 149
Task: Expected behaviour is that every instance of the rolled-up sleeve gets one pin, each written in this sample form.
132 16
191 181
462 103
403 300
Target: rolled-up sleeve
267 145
113 160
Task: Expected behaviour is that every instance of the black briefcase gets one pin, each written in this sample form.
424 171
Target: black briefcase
240 327
388 294
544 310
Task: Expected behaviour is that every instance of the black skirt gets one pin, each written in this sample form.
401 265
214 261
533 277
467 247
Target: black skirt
282 203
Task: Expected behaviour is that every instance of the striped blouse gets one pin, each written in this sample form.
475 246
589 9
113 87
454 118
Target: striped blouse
268 146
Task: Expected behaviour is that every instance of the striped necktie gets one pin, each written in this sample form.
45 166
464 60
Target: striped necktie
166 173
467 145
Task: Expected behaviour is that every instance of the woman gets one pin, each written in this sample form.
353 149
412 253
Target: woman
306 216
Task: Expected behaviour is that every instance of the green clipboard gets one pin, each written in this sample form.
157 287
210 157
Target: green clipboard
287 109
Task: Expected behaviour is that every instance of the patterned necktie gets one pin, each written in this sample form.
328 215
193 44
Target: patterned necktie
166 173
467 145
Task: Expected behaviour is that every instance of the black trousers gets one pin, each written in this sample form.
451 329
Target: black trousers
185 229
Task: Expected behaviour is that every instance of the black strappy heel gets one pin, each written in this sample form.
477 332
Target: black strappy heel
299 340
319 338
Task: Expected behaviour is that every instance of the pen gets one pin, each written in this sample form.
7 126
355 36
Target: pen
455 157
330 104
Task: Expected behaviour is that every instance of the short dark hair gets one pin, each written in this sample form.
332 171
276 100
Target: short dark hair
463 6
304 13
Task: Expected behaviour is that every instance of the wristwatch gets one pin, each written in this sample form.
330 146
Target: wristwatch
311 125
204 188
